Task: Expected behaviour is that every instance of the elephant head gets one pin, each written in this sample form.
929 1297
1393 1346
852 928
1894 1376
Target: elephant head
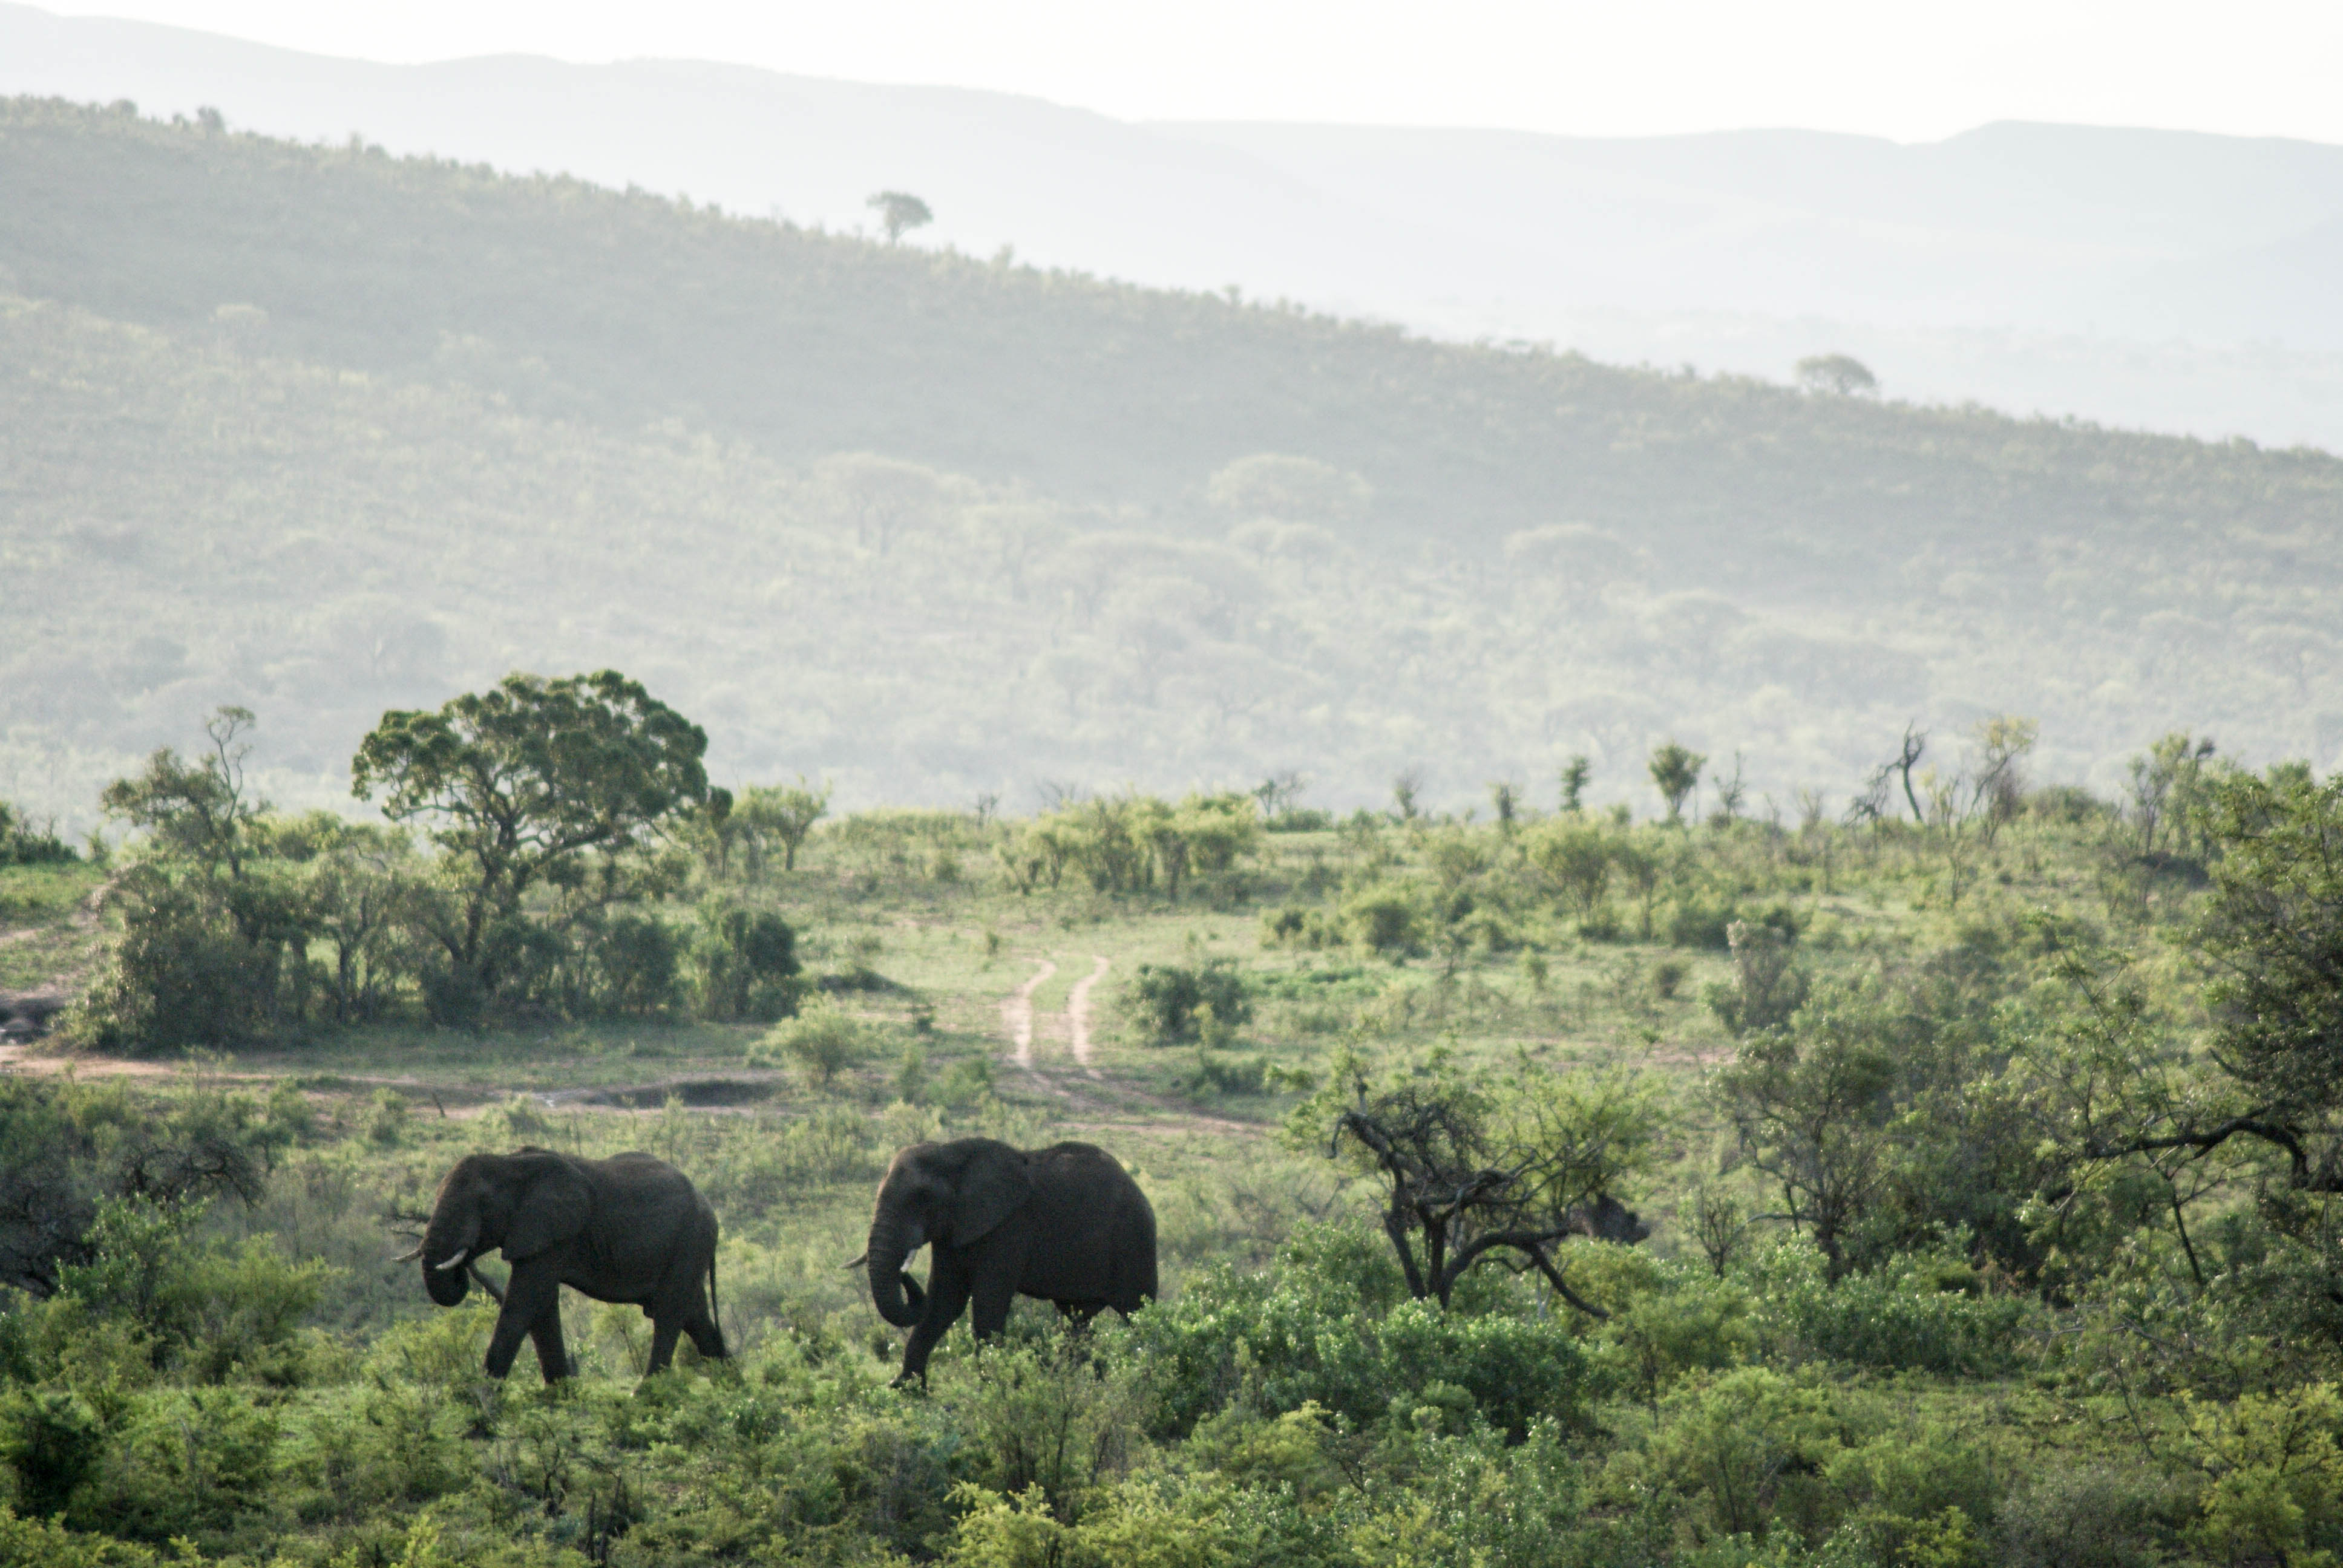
522 1202
954 1193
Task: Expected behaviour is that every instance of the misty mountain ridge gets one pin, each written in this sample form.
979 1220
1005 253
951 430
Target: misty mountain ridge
2163 279
321 431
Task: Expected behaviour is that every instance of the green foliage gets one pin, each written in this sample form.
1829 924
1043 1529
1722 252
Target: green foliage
1928 1313
23 843
779 814
1676 773
820 1043
1168 1003
52 1442
1330 1328
520 784
746 962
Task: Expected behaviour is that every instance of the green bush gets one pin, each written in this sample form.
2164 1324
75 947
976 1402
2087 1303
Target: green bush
746 967
1385 920
2092 1516
1898 1316
820 1043
51 1441
47 1543
1166 1003
179 972
638 960
1330 1325
22 844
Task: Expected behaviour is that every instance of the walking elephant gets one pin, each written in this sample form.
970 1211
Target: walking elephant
1063 1225
628 1228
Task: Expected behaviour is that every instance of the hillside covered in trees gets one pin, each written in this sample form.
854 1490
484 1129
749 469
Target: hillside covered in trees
319 431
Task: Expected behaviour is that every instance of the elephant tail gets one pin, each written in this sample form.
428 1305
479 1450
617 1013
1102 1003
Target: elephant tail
715 1313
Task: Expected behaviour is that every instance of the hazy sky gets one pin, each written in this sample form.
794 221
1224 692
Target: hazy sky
1912 71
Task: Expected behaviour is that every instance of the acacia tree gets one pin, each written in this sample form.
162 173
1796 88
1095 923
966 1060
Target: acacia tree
783 814
519 784
1489 1168
900 211
1675 772
1841 374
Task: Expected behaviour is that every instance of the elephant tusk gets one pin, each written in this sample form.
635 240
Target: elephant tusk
455 1262
410 1254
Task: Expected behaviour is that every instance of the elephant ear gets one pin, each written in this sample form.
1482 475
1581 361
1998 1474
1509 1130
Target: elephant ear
554 1208
992 1186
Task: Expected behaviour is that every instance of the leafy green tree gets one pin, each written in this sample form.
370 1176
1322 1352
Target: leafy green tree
2167 791
1576 857
520 784
1675 772
1811 1104
210 948
782 814
198 812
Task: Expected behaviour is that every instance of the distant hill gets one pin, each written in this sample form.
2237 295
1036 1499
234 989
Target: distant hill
321 430
2172 280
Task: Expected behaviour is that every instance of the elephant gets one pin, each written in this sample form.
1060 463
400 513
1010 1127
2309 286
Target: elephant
628 1228
1064 1224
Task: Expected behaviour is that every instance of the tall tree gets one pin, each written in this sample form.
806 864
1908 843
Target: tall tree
517 784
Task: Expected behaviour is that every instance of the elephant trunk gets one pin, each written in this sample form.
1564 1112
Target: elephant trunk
448 1246
889 1246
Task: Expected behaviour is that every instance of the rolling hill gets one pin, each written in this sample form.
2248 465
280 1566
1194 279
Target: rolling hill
2174 281
319 430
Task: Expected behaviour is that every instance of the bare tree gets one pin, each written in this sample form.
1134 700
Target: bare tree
1480 1170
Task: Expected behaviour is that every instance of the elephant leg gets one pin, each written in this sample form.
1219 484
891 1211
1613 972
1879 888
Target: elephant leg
664 1328
993 1296
552 1355
530 1294
706 1334
947 1295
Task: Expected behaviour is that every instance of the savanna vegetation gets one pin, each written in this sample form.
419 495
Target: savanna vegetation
1942 1176
331 432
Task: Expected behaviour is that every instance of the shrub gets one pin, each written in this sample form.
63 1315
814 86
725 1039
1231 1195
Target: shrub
1320 1328
1898 1316
747 965
1307 929
1168 1002
180 972
1748 1445
1766 988
1385 920
52 1440
639 959
2093 1517
22 844
820 1043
